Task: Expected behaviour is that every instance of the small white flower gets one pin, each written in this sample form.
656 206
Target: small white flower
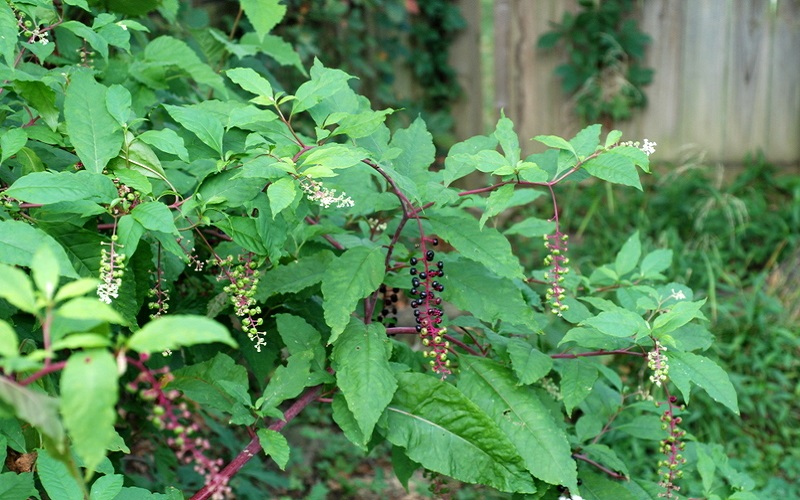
648 147
323 196
679 295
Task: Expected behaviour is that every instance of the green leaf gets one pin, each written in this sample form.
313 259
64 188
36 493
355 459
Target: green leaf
208 384
403 466
202 123
628 256
42 98
655 262
17 289
523 418
263 14
275 446
354 275
532 227
553 141
606 456
486 246
19 241
417 152
88 399
166 50
9 33
118 103
614 167
679 314
361 360
599 487
347 422
17 486
324 83
177 330
155 216
281 194
507 137
620 323
11 142
286 383
468 284
227 188
80 30
54 187
685 367
459 161
586 141
295 276
441 429
577 379
94 133
498 201
332 157
529 364
9 344
612 138
90 309
56 478
252 82
138 157
166 140
37 409
107 487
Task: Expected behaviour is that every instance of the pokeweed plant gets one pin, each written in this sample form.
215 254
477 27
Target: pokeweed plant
182 267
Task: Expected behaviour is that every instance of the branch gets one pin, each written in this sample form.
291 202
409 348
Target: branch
52 367
614 474
254 446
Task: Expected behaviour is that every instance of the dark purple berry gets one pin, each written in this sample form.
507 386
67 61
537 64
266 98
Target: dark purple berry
414 304
440 273
382 289
413 261
393 297
394 310
412 271
435 285
418 328
415 282
437 301
423 295
413 291
440 288
429 255
385 312
417 312
423 276
440 264
435 241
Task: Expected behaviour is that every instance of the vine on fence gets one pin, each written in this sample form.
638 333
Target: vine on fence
227 270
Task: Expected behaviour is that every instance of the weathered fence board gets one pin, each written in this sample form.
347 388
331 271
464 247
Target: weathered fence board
727 76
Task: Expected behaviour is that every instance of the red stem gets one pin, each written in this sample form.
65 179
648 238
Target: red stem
613 474
52 367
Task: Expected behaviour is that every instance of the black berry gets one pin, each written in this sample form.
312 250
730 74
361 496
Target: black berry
435 241
440 264
429 255
412 271
422 276
413 261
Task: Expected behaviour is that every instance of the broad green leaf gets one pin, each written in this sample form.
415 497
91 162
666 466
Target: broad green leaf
418 152
229 189
577 379
529 364
298 336
54 187
118 103
678 315
287 382
166 140
333 156
42 98
523 418
613 167
459 160
178 330
361 360
590 338
274 445
295 276
468 284
606 456
9 344
205 383
17 486
442 430
281 194
166 50
39 410
618 323
507 137
612 138
598 487
96 41
403 466
11 142
324 83
89 393
685 367
17 289
354 275
263 14
646 427
138 157
155 216
19 241
107 487
94 133
251 81
553 141
89 308
634 154
30 160
655 262
56 478
9 33
586 141
347 422
46 271
486 246
202 123
628 256
497 202
134 180
531 227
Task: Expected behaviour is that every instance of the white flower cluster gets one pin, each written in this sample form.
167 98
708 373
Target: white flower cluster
657 362
323 196
112 266
648 147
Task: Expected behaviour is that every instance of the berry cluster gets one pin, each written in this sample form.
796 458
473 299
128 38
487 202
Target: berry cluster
244 278
174 416
557 261
427 308
388 314
671 446
127 199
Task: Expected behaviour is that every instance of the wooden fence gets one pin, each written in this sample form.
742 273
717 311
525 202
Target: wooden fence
727 76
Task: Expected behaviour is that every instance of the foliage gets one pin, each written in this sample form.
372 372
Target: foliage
605 51
375 41
185 271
